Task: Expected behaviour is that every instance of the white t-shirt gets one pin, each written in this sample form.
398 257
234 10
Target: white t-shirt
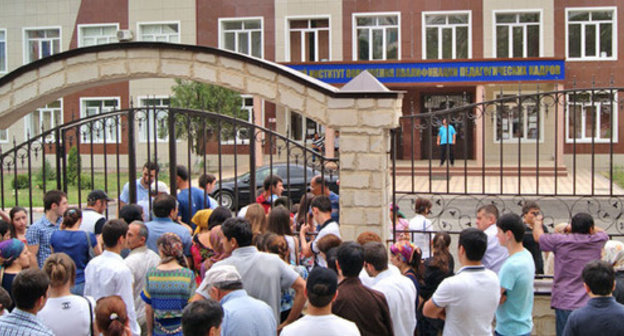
68 315
370 282
400 293
326 325
331 228
470 298
422 240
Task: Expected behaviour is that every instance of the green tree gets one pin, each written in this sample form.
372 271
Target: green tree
212 98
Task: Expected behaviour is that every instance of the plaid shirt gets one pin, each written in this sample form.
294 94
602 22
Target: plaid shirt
40 234
21 323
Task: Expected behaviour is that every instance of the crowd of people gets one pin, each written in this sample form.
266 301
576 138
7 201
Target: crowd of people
184 265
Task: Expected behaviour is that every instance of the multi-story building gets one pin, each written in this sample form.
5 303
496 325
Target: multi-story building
440 53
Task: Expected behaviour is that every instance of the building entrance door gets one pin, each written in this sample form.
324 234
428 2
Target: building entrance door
464 126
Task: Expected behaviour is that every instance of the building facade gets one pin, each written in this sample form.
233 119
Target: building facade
566 38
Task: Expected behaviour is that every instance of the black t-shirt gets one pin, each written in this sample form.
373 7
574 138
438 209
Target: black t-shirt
7 281
532 246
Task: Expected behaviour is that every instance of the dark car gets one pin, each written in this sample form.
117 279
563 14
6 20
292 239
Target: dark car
295 185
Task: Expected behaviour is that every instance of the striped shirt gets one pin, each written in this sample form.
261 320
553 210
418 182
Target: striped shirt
21 323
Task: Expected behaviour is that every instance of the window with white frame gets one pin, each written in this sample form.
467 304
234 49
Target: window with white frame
240 134
242 35
590 117
309 40
447 35
515 122
160 32
3 51
97 34
44 119
40 43
377 37
4 136
154 118
591 33
517 34
101 129
300 126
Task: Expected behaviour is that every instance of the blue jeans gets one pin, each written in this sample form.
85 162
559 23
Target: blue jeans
561 316
78 289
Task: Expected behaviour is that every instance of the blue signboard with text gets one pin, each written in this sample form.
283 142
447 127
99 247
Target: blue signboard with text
439 72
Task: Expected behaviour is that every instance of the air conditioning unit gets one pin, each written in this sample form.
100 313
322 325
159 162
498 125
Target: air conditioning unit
124 35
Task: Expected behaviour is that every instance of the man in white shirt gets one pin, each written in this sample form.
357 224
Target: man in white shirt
319 320
398 289
140 260
93 218
495 255
468 300
322 211
107 274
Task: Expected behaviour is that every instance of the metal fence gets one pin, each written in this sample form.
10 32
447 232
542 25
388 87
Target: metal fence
102 151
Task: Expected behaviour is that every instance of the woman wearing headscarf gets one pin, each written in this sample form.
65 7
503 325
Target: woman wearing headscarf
207 248
614 255
15 258
168 288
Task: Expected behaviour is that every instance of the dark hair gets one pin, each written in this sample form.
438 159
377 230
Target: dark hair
71 216
111 315
218 216
239 229
330 257
260 239
322 203
350 259
52 197
582 223
200 316
5 299
130 213
276 244
112 230
319 290
163 205
441 255
474 242
304 206
60 269
205 179
328 242
282 201
14 211
489 209
271 181
376 255
4 228
512 222
182 172
279 221
151 166
599 277
28 286
421 205
528 206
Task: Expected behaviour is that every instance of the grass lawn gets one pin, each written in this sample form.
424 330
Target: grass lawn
618 176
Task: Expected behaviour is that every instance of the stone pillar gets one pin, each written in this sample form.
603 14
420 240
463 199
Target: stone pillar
364 126
257 117
479 124
329 142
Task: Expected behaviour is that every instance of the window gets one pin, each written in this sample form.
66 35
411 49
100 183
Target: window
4 136
241 35
44 119
155 108
40 43
513 122
3 51
517 34
589 117
101 129
591 33
160 32
298 126
377 37
447 35
309 40
89 35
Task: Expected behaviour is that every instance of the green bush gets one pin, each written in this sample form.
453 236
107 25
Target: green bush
73 164
50 173
85 182
21 182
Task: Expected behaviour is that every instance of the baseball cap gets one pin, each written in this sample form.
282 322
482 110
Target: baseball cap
322 282
98 195
222 276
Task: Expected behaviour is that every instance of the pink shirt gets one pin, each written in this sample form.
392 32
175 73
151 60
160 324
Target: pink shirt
572 252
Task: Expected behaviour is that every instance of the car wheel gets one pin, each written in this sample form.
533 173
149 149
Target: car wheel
225 198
